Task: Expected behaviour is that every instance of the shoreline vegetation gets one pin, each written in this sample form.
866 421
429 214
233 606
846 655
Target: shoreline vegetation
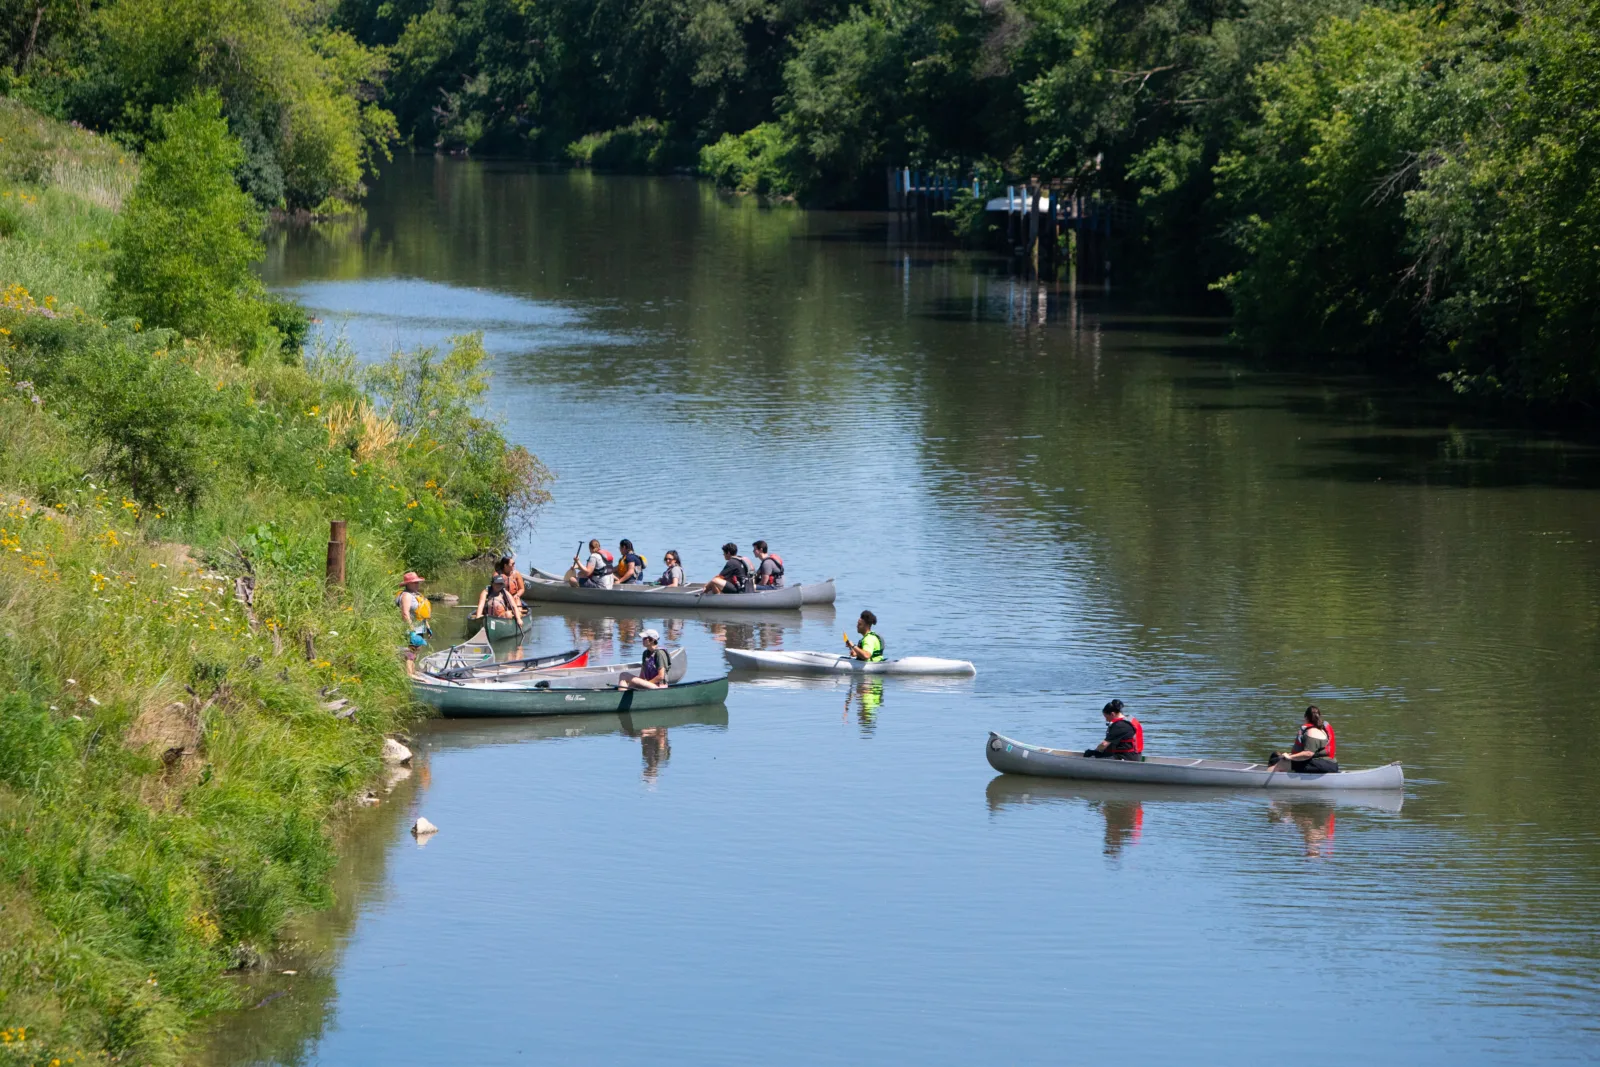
172 754
1407 183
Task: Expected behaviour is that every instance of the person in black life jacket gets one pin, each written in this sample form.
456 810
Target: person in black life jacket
735 574
1124 736
496 601
870 647
596 572
1313 748
769 567
653 665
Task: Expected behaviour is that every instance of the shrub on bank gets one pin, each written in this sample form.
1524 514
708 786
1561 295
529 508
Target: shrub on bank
167 765
644 146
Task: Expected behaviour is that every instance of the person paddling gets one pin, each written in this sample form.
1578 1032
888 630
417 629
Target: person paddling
595 572
1124 735
653 667
496 601
735 574
870 647
769 567
1313 748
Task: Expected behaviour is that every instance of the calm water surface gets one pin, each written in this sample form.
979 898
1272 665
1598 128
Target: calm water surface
1087 500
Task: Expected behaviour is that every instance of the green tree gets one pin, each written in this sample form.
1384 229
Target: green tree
183 248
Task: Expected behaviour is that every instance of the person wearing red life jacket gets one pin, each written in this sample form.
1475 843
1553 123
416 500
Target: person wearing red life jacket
1314 748
1124 736
769 571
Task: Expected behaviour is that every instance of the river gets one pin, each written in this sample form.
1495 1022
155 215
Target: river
1086 498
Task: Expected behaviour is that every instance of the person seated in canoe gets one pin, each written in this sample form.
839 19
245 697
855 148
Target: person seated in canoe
870 647
1314 748
769 567
653 667
496 601
735 574
673 574
516 581
1124 736
596 572
630 565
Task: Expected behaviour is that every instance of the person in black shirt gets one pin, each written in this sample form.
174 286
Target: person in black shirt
735 574
1121 736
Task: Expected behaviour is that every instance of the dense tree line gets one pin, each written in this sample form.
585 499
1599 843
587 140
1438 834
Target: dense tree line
1393 178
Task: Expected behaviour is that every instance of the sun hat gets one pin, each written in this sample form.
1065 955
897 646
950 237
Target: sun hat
650 635
412 576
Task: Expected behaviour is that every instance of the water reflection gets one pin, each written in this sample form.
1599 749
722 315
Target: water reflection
866 694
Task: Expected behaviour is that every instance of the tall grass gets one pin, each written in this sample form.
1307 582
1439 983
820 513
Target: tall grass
168 767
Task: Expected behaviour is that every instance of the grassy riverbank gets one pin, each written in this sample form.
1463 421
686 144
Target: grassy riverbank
168 766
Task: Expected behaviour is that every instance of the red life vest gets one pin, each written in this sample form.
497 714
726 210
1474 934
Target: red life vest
771 579
1301 742
1136 746
1333 746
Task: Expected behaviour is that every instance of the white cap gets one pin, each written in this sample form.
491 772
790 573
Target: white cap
650 635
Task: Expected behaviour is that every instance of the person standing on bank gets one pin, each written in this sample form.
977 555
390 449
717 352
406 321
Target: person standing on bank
1124 736
735 574
769 567
415 612
870 647
1313 748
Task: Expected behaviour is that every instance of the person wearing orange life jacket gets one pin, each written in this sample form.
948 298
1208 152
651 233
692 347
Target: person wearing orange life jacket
415 611
769 572
1314 748
1124 736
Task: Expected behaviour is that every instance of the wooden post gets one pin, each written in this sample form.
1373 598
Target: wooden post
1033 226
336 546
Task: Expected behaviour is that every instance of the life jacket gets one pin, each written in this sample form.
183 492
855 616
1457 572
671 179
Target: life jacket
1303 744
1134 747
877 657
1333 746
608 567
771 579
635 564
743 581
422 611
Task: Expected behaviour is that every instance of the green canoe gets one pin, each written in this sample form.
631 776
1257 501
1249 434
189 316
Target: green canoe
497 629
475 699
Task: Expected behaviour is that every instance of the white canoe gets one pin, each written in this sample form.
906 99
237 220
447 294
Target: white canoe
833 663
1014 757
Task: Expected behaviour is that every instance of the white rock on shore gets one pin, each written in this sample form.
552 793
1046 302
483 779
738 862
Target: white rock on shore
395 752
422 827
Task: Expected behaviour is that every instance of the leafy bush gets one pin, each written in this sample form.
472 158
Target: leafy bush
760 160
644 146
184 246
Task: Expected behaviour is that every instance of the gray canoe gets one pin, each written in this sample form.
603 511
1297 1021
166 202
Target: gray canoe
456 700
553 588
1013 757
475 658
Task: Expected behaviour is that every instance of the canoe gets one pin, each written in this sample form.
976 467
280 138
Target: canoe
464 699
705 611
1014 757
832 663
497 629
476 657
542 673
553 588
